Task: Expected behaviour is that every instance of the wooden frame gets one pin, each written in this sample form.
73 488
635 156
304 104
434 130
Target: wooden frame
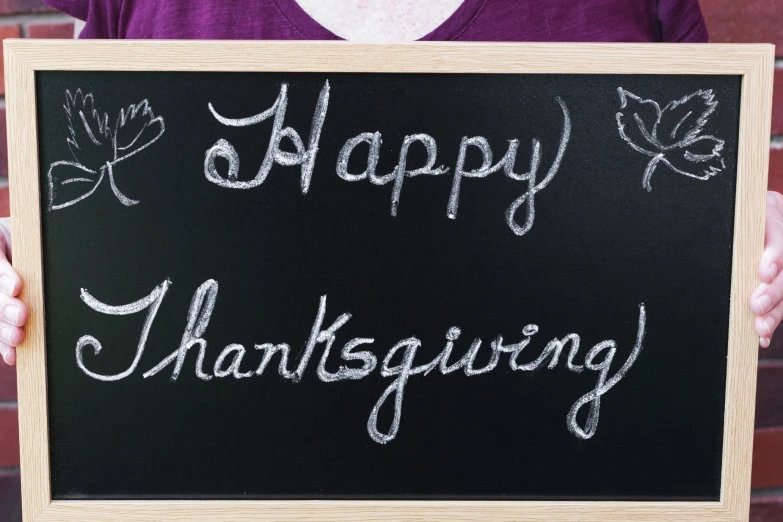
753 62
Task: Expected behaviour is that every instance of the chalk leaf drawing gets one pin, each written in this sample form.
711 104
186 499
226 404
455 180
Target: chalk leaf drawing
97 144
672 136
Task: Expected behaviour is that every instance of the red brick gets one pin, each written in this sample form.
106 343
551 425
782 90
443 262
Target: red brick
58 30
9 438
6 31
766 509
9 30
777 102
11 497
3 146
775 349
776 170
769 395
5 204
768 458
7 382
744 21
23 6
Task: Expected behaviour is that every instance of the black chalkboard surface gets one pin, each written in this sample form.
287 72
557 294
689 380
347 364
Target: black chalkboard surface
480 286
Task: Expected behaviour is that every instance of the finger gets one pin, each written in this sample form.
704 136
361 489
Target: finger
8 353
766 324
767 295
12 311
772 259
11 335
764 342
10 282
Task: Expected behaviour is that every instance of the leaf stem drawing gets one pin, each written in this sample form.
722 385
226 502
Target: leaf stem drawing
97 146
672 135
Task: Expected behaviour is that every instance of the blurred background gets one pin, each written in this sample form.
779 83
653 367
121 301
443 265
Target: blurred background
728 21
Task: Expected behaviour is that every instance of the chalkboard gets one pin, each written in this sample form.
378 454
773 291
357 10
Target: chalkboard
387 286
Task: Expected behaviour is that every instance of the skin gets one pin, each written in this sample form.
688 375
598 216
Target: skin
767 300
13 312
342 17
380 20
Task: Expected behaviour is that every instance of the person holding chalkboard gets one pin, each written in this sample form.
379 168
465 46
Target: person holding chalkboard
389 20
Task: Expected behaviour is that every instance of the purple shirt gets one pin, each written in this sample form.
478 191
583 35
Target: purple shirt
474 20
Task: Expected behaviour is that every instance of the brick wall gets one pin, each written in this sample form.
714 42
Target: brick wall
727 20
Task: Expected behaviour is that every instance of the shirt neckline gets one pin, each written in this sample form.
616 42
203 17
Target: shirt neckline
310 29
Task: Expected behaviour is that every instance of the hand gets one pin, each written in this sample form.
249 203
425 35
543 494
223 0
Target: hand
767 300
13 312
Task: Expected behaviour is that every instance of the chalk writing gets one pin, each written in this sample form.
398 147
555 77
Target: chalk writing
236 362
302 156
672 136
97 147
306 157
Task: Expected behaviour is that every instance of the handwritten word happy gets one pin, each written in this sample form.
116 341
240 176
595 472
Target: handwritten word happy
232 363
305 157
